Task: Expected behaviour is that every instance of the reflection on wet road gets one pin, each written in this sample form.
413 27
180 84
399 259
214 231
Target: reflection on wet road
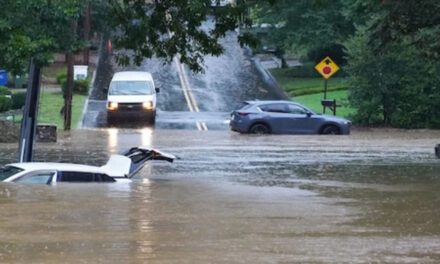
231 198
96 118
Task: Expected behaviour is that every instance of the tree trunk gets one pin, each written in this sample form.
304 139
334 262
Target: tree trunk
87 27
68 92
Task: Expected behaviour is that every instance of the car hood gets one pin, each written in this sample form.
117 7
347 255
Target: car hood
336 119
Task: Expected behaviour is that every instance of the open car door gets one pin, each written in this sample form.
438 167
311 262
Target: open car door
140 155
133 160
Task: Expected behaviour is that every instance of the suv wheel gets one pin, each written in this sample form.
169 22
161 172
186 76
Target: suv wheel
331 130
259 129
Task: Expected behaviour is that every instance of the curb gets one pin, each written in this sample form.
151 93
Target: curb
86 103
270 80
91 85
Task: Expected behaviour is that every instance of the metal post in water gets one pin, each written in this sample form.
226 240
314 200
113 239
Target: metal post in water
437 151
30 113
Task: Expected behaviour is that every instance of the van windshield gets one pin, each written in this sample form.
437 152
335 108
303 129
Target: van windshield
130 88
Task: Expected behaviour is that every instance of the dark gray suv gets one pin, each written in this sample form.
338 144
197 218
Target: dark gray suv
285 117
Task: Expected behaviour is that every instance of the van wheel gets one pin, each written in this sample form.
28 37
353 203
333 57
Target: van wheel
110 121
331 130
259 129
153 119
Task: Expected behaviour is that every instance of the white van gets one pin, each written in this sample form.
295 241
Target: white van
132 94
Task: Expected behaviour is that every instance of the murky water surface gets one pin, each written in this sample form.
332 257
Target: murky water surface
371 197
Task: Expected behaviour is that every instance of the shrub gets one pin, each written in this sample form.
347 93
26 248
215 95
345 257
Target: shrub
61 77
79 86
5 103
4 90
18 100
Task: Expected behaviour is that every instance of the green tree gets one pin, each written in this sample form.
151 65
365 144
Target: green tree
190 29
37 29
304 26
394 65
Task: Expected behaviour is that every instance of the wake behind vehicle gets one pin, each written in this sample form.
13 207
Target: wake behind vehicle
132 94
119 168
285 117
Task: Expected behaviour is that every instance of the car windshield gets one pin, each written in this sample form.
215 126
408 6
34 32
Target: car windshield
131 88
8 171
246 106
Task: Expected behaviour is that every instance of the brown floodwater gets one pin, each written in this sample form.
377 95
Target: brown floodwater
371 197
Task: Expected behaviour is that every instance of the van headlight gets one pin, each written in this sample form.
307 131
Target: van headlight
112 106
148 105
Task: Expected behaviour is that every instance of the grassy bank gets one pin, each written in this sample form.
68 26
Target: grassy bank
296 86
310 91
313 101
50 106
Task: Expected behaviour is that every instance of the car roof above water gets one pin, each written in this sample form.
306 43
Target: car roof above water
261 102
258 102
132 76
30 166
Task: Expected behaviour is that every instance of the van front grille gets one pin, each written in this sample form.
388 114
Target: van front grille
130 106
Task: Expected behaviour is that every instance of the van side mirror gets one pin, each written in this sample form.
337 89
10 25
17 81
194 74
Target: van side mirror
157 89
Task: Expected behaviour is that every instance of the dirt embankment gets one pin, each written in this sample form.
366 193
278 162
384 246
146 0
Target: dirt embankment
9 132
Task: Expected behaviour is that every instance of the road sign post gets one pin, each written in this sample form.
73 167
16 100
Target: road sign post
327 68
325 93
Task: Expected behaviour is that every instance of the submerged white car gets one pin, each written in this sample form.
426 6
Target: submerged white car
132 94
119 168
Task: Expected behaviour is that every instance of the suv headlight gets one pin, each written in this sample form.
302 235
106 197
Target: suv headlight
147 105
112 106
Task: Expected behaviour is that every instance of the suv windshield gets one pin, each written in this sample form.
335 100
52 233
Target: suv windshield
8 171
131 88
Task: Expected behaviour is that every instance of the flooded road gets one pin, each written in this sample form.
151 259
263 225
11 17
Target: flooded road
371 197
186 98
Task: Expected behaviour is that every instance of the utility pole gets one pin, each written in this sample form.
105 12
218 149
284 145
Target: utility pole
87 27
68 92
30 114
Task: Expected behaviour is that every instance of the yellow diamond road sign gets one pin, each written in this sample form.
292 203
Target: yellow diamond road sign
327 67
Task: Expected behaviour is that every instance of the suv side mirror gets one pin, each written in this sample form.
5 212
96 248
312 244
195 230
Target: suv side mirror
309 114
157 89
